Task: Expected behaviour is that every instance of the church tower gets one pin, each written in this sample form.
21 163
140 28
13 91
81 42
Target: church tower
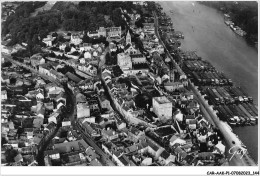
128 38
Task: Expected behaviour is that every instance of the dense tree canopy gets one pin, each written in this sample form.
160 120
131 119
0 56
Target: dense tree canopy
84 16
243 14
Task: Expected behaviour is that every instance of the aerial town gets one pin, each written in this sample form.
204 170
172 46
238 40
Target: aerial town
118 96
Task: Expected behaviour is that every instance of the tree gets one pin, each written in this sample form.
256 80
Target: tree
61 39
67 49
10 154
54 34
7 64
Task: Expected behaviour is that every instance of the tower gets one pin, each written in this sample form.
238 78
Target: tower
128 38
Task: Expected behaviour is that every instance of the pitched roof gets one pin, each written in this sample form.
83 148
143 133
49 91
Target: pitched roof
152 145
127 46
124 160
165 154
73 77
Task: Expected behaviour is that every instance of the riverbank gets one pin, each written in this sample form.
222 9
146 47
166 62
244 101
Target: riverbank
215 42
237 11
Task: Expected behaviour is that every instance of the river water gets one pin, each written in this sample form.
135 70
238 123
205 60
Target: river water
206 33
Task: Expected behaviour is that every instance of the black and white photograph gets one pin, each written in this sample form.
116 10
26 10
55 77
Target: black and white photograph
167 84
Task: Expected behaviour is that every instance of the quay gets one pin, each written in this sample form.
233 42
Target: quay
231 140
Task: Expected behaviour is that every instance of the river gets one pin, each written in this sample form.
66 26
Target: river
206 33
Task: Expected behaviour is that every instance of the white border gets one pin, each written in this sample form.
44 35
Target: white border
114 171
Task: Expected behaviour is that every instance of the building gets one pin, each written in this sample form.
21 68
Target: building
73 77
3 95
124 61
138 58
135 135
162 107
93 34
48 41
172 86
129 49
83 110
110 32
86 84
128 39
104 103
75 39
149 28
109 134
37 60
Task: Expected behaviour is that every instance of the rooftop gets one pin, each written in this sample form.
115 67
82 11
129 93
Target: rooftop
161 100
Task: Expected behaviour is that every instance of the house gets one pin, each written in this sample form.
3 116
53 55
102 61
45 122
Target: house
202 122
40 110
62 46
109 134
91 69
121 159
172 86
82 61
180 154
90 154
70 135
129 49
50 127
49 105
67 147
75 39
3 95
147 162
99 88
86 47
176 140
91 119
80 98
66 123
138 58
120 124
87 55
89 130
37 60
61 98
37 122
18 158
5 79
104 103
48 41
131 149
153 148
73 77
162 107
124 61
93 34
165 158
135 135
95 163
193 106
106 75
178 116
191 121
83 110
86 84
113 32
39 96
220 147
